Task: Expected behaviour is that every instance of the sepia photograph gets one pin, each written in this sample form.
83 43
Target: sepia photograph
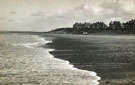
67 42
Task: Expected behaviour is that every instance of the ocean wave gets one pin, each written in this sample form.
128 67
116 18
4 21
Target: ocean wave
39 42
38 64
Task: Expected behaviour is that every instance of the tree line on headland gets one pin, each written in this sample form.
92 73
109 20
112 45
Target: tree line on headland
87 28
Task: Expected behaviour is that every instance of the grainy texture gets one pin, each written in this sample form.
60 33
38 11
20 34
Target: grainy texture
23 61
112 57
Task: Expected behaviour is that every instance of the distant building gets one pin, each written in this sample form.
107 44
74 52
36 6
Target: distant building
85 33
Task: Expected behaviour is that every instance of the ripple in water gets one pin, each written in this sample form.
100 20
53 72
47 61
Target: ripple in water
24 61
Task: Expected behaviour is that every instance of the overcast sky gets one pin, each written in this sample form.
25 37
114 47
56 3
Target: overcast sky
44 15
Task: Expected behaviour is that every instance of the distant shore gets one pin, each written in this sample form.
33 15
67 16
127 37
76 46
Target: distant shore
114 27
110 56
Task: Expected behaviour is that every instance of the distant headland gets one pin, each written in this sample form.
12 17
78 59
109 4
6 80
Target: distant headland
115 27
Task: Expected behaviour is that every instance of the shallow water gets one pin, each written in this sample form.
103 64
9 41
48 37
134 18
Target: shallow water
24 61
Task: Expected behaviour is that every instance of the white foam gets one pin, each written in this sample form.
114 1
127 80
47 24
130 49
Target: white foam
39 42
39 65
94 78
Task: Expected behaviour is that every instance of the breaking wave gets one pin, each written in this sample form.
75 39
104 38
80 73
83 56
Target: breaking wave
30 60
41 41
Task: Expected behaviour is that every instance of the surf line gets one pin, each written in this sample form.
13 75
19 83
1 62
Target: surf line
94 78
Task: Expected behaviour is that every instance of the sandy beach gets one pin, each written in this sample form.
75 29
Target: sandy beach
111 57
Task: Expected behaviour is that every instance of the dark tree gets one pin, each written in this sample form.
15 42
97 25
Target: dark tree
100 26
115 25
130 25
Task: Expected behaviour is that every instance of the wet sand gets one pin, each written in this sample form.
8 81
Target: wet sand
111 57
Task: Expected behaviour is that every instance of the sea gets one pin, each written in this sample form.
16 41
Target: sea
25 61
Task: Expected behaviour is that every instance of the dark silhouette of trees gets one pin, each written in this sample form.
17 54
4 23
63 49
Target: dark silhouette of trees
101 26
130 25
115 25
86 28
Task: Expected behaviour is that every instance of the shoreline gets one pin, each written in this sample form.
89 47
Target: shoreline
72 51
25 61
91 77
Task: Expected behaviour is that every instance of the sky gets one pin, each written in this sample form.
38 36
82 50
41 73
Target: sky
45 15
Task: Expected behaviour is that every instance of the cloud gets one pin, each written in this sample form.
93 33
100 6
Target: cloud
106 11
59 18
39 13
134 1
2 18
41 16
12 12
117 10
